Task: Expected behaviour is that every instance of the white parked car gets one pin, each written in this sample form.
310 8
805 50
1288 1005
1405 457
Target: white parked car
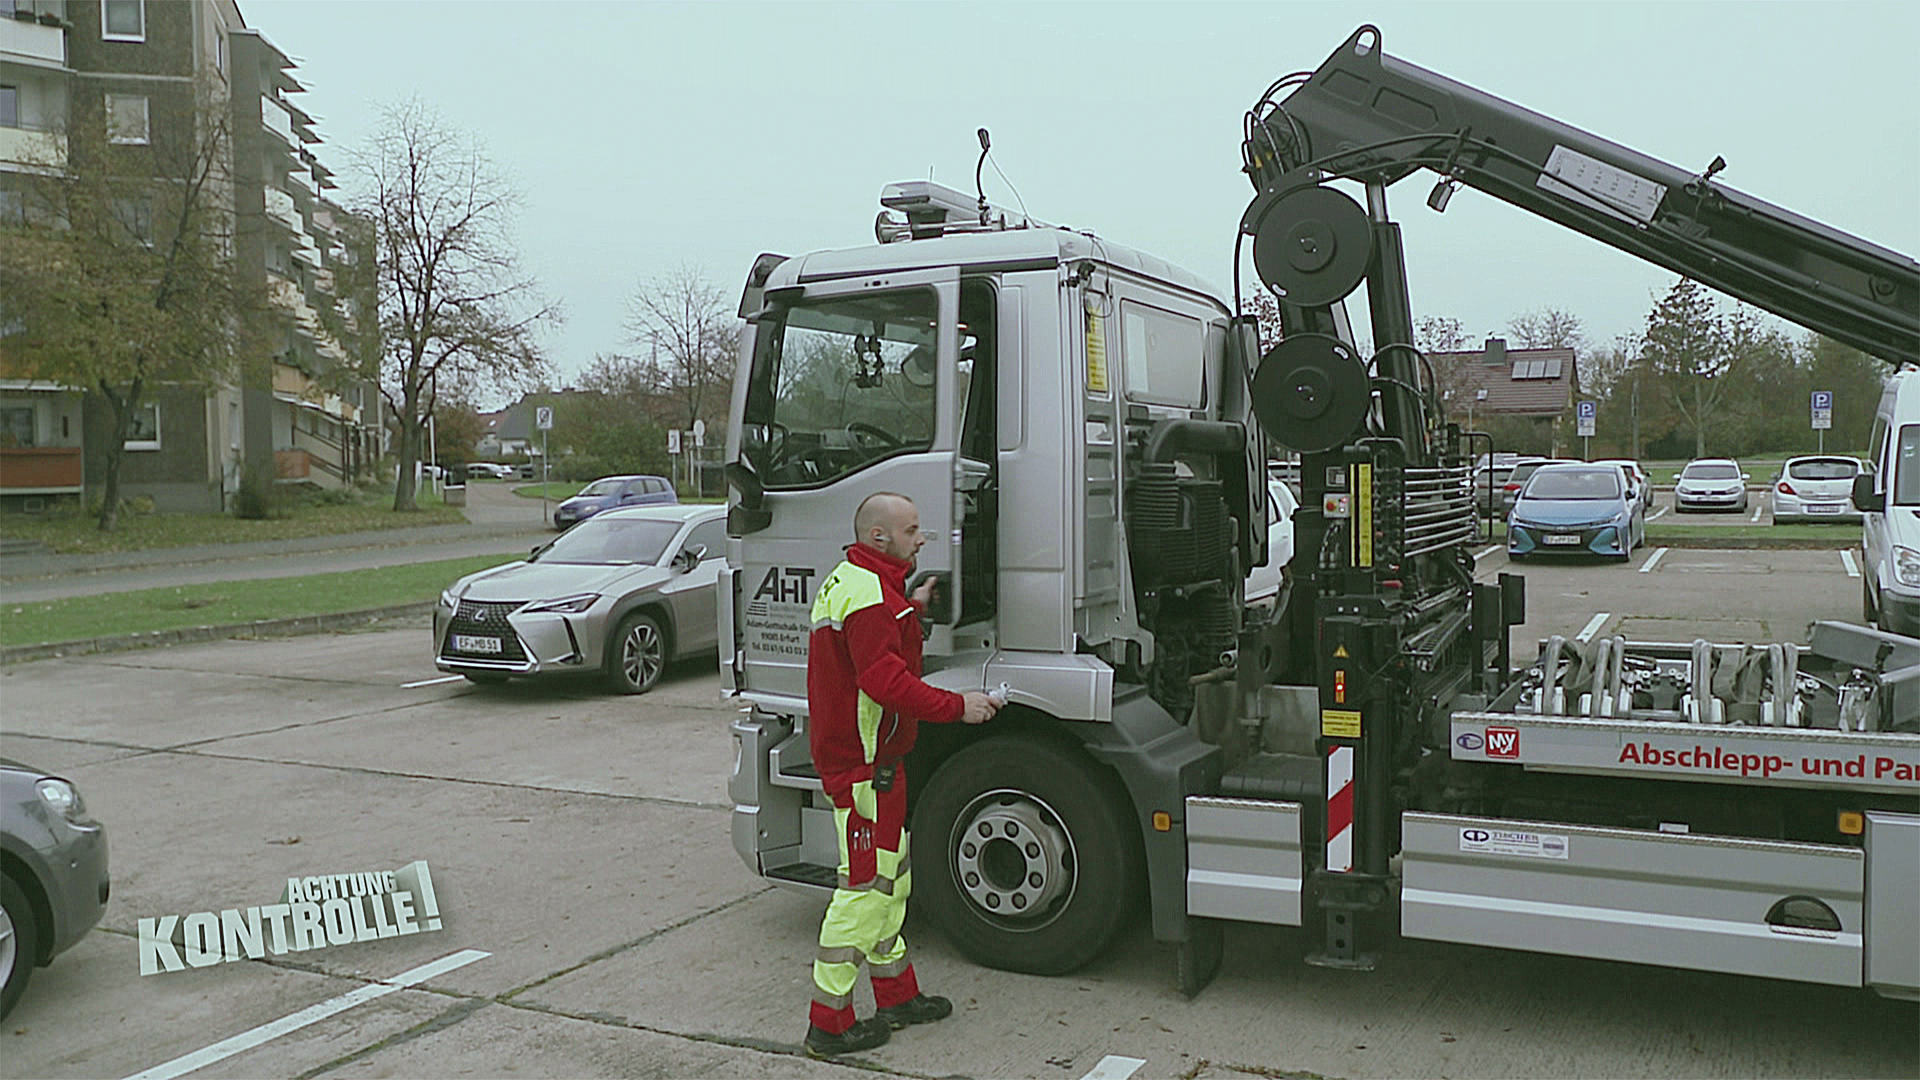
488 468
1264 583
1815 488
1711 484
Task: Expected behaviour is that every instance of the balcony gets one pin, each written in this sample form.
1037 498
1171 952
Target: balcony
46 470
277 120
29 150
37 44
281 208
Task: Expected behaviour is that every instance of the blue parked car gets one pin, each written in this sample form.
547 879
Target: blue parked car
611 492
1576 508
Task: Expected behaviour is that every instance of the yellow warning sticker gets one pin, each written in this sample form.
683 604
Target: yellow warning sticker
1096 355
1340 723
1363 516
1339 652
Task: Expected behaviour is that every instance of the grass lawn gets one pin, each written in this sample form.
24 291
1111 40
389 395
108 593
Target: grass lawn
1759 469
1839 534
72 533
226 602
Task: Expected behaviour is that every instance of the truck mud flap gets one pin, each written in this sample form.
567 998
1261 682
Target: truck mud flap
1243 860
1893 880
1705 903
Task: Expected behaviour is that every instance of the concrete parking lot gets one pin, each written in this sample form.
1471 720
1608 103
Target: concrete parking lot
580 842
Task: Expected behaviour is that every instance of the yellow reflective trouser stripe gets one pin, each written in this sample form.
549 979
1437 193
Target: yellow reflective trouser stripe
862 924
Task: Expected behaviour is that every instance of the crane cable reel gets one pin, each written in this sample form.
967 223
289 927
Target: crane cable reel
1311 246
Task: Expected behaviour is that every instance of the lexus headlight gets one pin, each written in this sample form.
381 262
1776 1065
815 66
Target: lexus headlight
1906 565
60 796
571 605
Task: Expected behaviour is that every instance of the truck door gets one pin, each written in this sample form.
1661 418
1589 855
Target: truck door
853 387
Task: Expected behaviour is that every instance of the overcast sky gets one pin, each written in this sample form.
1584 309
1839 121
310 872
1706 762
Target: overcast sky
645 135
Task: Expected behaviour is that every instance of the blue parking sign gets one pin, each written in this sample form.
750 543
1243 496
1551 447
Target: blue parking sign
1822 400
1588 409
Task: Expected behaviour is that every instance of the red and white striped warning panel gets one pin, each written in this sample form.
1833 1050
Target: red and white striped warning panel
1340 809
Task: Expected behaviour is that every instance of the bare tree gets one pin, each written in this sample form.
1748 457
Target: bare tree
454 307
116 277
688 335
1547 328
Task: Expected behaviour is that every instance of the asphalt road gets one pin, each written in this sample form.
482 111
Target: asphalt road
580 841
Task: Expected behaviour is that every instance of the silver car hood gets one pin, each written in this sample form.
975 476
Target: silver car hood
551 581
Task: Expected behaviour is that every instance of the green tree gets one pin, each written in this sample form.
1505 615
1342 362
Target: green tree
117 276
1685 355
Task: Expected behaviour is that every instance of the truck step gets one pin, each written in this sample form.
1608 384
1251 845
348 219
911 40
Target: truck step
825 877
801 775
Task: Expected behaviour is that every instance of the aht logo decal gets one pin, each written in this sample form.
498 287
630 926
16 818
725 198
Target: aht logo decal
1471 741
1503 742
786 585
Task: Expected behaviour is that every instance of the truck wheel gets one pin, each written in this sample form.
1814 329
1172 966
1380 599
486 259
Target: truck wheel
1026 857
19 943
636 654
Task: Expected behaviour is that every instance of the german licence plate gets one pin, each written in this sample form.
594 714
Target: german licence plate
1829 508
470 644
1561 538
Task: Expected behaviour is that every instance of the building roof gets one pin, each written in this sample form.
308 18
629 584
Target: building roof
1516 382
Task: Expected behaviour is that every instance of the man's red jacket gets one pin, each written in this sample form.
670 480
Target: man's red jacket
865 698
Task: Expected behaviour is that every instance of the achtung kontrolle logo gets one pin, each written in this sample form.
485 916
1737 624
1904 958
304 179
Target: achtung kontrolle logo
312 913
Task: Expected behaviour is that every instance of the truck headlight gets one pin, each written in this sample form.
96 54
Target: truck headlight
1906 565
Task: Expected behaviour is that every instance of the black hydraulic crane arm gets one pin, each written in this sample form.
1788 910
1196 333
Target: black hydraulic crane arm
1363 115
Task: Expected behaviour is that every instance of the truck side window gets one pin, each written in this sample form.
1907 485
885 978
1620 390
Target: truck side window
979 442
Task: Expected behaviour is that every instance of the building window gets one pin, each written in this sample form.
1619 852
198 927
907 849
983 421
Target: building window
16 427
127 119
123 20
144 432
136 216
9 106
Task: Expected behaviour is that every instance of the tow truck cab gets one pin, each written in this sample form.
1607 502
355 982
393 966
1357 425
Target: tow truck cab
1071 418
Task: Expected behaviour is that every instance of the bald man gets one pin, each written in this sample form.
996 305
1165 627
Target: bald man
865 700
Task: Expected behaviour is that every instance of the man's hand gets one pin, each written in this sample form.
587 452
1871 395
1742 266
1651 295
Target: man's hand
979 708
923 596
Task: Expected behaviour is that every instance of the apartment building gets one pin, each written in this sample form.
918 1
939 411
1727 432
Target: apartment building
150 71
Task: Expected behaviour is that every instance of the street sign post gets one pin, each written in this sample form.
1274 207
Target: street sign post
1585 414
1822 415
543 419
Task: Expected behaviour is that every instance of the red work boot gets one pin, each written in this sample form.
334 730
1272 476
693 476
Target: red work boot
922 1009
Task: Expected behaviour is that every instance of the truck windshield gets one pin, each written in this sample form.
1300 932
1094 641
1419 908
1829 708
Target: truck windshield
840 383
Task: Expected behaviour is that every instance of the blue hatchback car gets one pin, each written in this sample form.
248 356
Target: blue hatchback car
613 492
1575 508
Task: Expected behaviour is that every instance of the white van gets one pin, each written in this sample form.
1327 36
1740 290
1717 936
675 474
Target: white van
1888 498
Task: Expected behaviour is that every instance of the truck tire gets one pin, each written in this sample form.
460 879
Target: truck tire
19 943
1025 855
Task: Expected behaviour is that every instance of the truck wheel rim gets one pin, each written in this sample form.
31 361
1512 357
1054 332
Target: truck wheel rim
640 655
1013 860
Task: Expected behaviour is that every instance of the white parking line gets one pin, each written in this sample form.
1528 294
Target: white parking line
1653 560
430 682
1115 1067
1853 568
1593 626
1658 512
313 1014
1757 510
1478 555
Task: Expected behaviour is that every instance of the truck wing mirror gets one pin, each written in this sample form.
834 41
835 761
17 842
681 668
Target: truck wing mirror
1865 499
